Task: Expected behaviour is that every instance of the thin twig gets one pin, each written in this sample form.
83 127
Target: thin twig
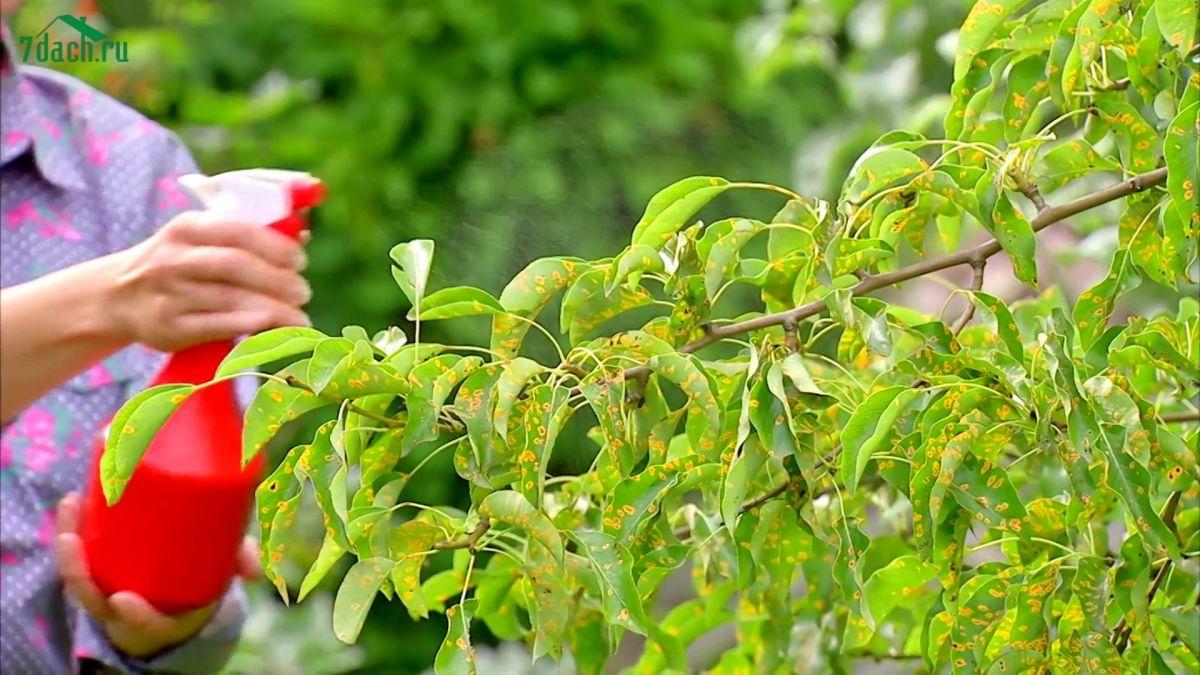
1180 417
468 542
978 267
789 332
1031 191
1045 218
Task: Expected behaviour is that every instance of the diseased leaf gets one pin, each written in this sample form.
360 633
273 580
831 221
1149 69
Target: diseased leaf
272 345
673 206
409 543
451 303
132 431
511 508
868 427
631 265
525 297
586 305
274 405
977 30
456 656
614 565
356 595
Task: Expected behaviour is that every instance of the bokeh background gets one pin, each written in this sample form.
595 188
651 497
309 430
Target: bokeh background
505 130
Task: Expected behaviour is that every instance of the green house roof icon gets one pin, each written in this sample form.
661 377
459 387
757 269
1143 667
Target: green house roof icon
77 23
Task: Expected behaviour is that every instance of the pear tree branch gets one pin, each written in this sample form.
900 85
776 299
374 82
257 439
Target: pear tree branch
1045 217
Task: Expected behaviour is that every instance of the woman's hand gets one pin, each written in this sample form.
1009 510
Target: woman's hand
197 280
131 624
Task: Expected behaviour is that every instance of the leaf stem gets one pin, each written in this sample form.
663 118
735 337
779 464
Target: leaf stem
467 542
293 381
1180 417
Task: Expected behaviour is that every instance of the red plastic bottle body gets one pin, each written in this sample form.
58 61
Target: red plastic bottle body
174 535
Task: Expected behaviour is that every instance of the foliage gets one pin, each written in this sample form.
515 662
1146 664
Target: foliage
480 124
1013 488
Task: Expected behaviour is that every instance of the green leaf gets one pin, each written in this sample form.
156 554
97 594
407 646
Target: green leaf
897 584
1011 228
511 508
867 428
451 303
810 394
328 357
1185 621
329 555
456 656
977 30
631 265
1177 21
412 261
586 306
355 596
274 405
408 544
132 431
526 295
673 206
1095 305
613 563
497 596
264 348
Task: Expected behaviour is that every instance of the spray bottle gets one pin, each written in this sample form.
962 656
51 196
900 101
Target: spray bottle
174 536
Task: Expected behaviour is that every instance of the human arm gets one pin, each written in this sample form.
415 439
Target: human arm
192 281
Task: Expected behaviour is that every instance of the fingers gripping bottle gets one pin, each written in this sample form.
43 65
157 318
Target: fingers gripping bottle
174 535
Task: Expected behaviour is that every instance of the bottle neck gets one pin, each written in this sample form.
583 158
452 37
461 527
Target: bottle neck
194 365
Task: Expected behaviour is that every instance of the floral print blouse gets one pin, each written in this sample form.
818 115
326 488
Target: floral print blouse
81 176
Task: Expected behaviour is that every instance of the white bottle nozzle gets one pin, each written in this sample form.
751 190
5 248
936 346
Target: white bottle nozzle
259 196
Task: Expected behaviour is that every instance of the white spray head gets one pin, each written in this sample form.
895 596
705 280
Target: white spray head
258 196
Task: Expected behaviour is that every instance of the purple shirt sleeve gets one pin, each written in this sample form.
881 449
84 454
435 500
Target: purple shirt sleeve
82 176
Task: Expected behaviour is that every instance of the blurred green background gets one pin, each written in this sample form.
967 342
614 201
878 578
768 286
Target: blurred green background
505 130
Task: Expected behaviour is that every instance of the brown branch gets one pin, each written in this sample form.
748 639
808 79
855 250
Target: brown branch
766 497
1045 218
467 542
978 266
1180 417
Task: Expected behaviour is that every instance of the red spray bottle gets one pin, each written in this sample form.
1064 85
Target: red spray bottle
174 535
